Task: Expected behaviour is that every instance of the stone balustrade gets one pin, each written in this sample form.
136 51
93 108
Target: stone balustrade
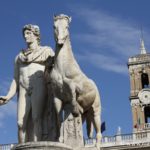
142 137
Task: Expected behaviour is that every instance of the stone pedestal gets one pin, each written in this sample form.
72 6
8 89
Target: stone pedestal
73 134
46 145
71 129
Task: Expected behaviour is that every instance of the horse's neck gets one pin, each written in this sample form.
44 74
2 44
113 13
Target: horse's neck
64 52
64 56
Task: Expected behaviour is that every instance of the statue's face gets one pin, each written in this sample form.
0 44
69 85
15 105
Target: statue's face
61 30
29 36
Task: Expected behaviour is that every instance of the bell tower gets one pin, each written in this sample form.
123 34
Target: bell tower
139 72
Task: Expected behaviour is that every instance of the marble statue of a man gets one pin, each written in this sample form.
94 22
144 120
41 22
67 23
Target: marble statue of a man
29 83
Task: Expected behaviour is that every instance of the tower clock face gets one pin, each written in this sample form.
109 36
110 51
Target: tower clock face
144 96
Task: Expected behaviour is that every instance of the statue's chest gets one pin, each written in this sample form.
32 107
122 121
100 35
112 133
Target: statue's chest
31 69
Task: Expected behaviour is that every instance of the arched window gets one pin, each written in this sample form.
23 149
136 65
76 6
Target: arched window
144 80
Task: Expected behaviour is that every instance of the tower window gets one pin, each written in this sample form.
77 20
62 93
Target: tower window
147 114
145 80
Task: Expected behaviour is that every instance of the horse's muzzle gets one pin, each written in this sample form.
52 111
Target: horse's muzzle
61 42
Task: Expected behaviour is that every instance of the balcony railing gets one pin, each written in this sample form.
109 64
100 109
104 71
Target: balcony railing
133 139
6 146
145 126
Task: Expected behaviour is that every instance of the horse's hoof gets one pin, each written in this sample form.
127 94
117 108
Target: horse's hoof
98 146
75 112
98 140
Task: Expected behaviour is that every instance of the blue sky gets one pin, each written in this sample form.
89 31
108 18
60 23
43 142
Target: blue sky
104 34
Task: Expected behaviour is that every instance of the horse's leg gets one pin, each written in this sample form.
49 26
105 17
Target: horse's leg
72 90
97 124
58 108
83 117
89 124
97 118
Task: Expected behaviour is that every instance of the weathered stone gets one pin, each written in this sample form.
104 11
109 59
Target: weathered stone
73 134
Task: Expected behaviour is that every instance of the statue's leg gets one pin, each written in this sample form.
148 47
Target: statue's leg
70 86
38 99
24 106
58 108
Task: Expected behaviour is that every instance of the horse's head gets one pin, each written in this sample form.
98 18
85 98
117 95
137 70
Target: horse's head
61 25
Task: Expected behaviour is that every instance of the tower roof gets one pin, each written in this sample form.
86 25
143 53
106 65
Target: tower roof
142 46
141 58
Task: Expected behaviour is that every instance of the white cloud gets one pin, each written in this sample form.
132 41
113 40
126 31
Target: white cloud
109 40
4 86
104 62
1 118
9 109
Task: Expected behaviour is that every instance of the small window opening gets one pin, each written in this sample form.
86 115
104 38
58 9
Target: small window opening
147 114
145 80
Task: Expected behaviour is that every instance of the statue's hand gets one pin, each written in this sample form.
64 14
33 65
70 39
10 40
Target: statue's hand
3 100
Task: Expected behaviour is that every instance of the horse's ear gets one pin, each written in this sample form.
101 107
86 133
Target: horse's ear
70 19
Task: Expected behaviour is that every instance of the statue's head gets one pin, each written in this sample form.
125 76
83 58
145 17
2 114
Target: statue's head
61 25
34 29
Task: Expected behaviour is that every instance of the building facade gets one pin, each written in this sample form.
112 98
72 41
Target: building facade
139 72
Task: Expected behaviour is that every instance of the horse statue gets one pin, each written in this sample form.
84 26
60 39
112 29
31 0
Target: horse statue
70 84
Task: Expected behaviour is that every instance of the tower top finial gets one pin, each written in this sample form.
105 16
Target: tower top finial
142 46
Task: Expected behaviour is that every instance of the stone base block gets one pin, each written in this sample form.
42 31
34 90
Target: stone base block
42 146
